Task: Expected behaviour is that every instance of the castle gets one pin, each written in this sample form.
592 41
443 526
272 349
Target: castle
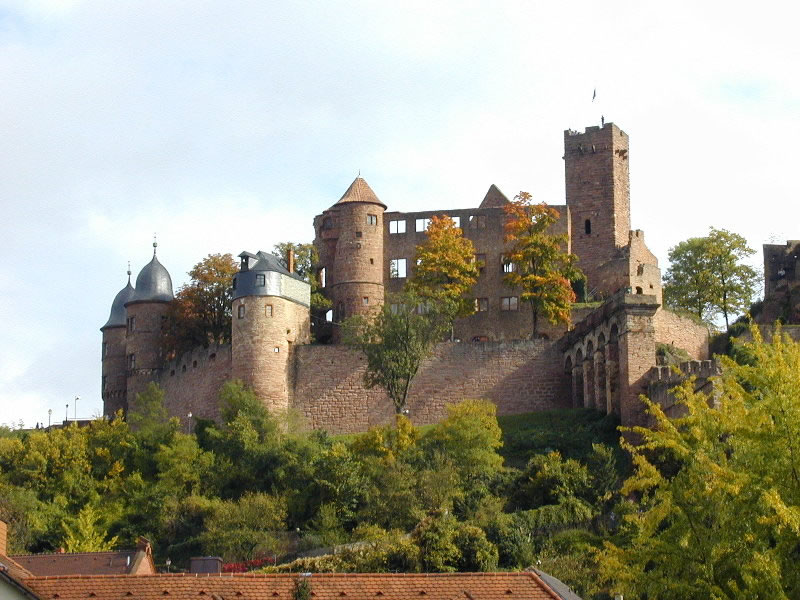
604 359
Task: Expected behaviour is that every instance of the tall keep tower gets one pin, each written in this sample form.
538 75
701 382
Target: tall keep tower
146 310
113 387
598 196
349 240
270 315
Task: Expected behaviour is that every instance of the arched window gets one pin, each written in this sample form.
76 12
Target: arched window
587 226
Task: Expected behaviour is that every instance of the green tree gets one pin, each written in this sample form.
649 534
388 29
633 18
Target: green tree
537 263
716 492
445 268
86 534
706 275
395 341
243 529
200 314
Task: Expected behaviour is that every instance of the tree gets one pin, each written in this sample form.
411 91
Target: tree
200 314
735 282
395 341
305 261
86 534
445 268
707 277
246 528
715 494
537 263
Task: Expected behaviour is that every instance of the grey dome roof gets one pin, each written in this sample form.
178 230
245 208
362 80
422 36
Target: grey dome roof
117 317
153 284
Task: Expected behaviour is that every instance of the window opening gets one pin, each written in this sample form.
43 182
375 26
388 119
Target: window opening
365 301
329 316
477 221
268 310
481 260
240 312
509 303
397 268
358 234
422 224
323 277
397 226
587 226
481 304
261 280
372 219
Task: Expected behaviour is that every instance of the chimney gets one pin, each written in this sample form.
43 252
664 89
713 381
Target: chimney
290 260
3 537
206 564
143 545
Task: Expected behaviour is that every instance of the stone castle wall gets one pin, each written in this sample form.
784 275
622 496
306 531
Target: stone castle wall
682 332
520 376
191 383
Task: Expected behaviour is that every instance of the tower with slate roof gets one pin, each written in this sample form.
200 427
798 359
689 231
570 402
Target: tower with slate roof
270 316
145 313
114 381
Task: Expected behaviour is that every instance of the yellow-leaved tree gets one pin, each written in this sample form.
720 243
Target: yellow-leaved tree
537 262
713 507
445 268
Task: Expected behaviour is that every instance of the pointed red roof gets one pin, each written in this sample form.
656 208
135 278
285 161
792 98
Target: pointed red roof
359 191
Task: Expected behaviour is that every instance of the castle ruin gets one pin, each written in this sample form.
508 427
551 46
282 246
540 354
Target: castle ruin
602 360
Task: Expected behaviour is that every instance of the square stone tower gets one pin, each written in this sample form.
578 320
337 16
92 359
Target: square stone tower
598 197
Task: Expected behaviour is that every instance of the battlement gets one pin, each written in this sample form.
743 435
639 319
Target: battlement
702 369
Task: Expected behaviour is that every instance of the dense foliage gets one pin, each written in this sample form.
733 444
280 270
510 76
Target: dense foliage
714 508
250 490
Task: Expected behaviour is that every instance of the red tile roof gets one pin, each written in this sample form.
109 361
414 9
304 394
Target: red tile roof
359 191
324 586
80 563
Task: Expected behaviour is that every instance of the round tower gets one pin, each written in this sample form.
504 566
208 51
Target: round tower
271 313
350 245
145 312
113 387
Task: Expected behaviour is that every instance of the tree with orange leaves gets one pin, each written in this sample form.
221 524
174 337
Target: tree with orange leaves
445 268
538 264
200 314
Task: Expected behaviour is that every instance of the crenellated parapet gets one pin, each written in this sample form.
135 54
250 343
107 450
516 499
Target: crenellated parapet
662 380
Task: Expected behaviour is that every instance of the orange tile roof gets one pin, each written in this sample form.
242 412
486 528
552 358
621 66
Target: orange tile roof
359 191
324 586
78 563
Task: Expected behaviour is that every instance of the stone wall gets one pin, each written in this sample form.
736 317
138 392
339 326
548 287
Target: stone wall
662 380
191 383
681 332
521 376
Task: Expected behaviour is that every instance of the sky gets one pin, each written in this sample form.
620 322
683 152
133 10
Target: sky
226 126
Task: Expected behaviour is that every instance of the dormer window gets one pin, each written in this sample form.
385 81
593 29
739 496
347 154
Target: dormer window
245 264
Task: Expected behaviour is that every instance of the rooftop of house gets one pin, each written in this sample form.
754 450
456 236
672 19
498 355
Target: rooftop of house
121 562
325 586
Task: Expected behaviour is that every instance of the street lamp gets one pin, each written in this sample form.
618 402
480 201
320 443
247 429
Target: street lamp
66 415
76 406
190 422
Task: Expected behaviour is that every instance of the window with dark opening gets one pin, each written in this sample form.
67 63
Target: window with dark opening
240 312
587 226
261 280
